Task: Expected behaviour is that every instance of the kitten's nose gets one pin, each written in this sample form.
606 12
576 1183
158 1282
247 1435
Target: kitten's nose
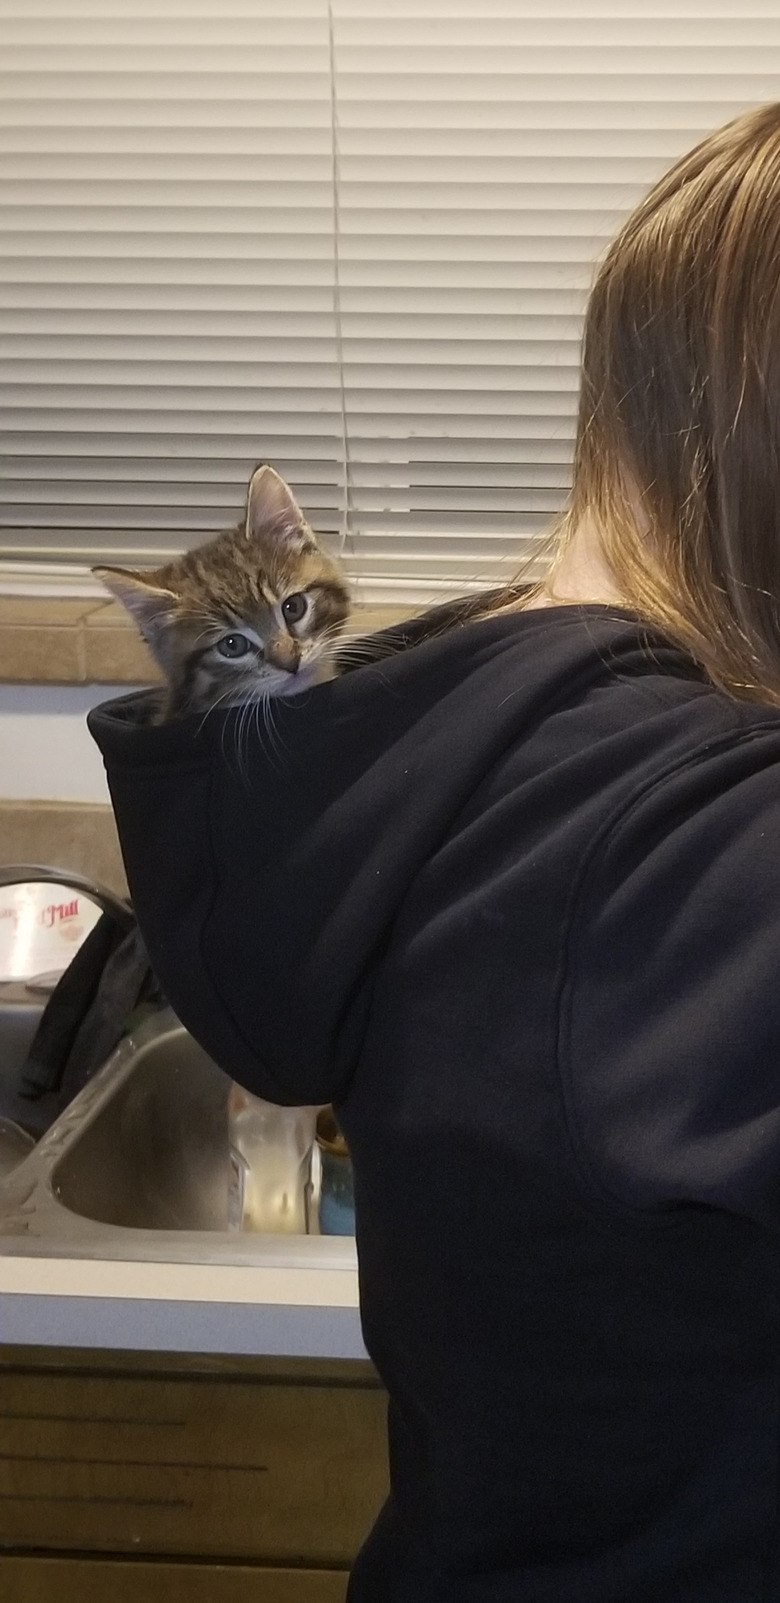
284 653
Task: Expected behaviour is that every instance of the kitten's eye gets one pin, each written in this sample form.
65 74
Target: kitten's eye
295 608
234 646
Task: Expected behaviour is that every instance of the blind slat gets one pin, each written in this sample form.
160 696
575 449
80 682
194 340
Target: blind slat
65 331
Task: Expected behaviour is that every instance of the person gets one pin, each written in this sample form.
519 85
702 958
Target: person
508 895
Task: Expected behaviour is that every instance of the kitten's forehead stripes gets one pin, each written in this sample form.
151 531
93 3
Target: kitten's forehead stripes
330 588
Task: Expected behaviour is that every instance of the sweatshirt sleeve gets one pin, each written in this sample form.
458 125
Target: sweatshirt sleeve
670 1015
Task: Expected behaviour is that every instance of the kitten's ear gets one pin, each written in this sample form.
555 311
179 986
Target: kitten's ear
148 602
271 507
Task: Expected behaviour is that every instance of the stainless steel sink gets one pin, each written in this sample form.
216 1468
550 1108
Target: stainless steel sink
153 1155
137 1166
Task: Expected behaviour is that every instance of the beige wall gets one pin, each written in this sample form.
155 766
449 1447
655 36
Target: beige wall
46 751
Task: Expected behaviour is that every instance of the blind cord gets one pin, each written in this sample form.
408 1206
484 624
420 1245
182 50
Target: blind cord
346 483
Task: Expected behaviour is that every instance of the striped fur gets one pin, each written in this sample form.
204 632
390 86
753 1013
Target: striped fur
243 589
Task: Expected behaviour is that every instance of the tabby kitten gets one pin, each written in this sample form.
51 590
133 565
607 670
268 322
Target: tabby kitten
252 615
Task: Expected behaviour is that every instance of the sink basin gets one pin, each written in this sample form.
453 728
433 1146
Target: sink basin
136 1168
155 1154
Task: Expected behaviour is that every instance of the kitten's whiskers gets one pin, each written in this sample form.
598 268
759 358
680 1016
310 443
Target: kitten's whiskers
213 707
276 744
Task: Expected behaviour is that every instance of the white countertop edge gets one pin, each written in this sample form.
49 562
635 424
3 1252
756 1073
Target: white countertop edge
180 1282
195 1308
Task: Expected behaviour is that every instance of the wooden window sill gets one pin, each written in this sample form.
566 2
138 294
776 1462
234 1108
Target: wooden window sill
89 641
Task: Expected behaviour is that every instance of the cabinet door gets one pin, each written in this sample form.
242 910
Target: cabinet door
32 1580
280 1472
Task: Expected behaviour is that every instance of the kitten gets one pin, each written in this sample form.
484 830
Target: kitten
251 615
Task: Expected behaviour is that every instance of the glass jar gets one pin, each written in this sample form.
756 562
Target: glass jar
269 1179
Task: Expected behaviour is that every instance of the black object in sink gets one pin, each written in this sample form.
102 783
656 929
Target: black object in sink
20 1013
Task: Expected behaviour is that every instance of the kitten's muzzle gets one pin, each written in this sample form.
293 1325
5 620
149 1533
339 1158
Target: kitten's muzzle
284 653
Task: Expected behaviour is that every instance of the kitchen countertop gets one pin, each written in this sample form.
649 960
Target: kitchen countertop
187 1308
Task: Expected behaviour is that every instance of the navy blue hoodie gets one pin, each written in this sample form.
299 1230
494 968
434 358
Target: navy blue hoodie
510 898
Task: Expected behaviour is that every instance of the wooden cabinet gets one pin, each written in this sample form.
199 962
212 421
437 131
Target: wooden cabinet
240 1478
35 1580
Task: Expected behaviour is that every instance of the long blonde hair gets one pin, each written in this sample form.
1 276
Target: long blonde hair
679 416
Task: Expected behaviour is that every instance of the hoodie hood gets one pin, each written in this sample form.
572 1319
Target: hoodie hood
267 867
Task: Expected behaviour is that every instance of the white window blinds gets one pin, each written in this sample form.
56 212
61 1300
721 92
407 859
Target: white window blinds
353 239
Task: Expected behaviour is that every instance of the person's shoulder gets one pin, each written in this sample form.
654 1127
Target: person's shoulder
639 717
718 760
696 725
